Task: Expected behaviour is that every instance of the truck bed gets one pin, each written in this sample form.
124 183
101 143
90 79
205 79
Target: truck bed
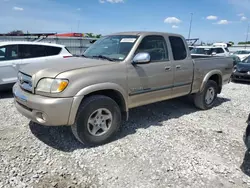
204 65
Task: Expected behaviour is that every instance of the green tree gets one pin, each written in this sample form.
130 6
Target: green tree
98 36
231 42
90 35
16 32
248 42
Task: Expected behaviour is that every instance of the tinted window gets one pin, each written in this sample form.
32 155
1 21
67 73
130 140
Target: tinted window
33 51
51 50
24 51
155 46
38 51
178 48
8 52
227 49
219 50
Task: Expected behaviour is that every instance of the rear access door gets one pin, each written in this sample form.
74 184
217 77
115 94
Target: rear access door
183 67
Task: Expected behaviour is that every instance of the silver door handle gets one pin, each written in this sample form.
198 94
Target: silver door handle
13 65
167 68
178 66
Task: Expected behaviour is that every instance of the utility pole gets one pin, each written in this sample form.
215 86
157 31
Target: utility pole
78 23
247 34
190 26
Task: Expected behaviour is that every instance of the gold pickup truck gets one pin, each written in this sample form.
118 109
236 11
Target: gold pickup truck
118 72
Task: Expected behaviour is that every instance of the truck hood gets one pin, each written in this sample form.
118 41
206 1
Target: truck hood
51 68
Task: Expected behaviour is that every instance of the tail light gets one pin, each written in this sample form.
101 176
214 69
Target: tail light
67 56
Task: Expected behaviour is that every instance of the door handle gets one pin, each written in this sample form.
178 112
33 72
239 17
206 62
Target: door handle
14 65
178 67
167 68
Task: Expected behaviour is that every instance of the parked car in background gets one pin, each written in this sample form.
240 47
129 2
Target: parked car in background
236 59
118 72
15 55
242 54
209 51
242 70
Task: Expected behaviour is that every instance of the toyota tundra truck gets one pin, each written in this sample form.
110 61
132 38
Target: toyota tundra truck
93 93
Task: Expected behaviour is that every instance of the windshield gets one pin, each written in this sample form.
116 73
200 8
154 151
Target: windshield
247 60
115 47
242 52
205 51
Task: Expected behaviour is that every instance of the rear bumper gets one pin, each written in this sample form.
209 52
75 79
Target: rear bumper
44 110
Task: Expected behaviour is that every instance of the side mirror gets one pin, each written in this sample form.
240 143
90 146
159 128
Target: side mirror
141 58
214 53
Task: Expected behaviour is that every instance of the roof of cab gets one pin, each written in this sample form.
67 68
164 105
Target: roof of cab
144 33
3 43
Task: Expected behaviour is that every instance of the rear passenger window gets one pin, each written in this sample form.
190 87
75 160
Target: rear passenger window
51 50
9 52
24 51
155 46
38 51
219 50
34 51
178 48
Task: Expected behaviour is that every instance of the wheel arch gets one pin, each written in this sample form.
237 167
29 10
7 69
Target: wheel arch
216 76
114 91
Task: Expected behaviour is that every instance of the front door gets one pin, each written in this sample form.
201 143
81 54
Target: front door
8 64
152 81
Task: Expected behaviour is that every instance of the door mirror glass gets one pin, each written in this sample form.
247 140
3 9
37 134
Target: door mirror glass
141 58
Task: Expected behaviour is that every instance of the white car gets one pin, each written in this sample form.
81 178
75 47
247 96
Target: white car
14 55
209 51
242 54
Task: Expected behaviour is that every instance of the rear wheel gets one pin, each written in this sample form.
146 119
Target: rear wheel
205 99
97 120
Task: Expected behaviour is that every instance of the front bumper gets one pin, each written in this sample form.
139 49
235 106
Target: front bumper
43 110
241 76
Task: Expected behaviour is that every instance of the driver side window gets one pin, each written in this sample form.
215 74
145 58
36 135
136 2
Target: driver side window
155 46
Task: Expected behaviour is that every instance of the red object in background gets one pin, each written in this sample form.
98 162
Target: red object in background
70 35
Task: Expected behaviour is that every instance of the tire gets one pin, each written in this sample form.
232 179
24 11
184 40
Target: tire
200 100
88 112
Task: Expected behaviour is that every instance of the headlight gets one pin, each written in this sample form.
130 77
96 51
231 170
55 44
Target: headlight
50 85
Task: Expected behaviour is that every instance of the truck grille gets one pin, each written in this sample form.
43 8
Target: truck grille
25 81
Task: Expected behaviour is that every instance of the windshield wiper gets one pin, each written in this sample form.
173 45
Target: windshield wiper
103 57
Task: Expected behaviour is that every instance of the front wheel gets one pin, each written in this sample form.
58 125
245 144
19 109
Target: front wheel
97 120
205 99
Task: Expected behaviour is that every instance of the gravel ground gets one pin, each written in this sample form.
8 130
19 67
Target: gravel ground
168 144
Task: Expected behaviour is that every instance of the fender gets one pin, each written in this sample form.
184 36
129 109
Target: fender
208 75
93 88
